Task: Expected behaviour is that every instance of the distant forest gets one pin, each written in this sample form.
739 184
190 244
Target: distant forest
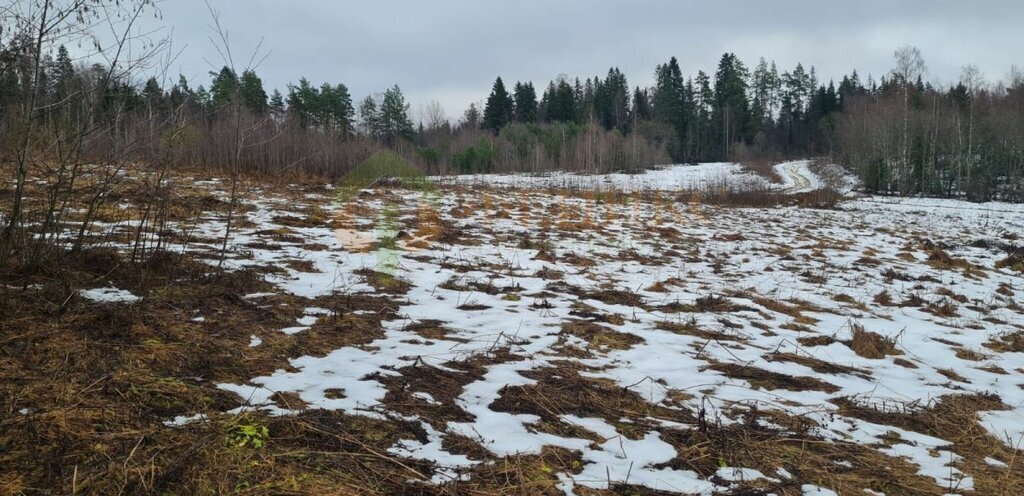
899 133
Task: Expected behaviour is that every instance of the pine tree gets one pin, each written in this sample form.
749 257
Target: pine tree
703 100
498 109
303 103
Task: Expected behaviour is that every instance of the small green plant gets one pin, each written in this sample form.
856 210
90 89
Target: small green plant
248 434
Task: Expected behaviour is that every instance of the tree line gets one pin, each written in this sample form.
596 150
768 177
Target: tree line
900 133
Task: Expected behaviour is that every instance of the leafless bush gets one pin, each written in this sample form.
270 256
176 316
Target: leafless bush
51 134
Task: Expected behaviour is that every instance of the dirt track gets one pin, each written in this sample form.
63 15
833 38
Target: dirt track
796 177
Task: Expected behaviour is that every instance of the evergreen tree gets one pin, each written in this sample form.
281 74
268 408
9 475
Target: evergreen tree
370 118
588 106
559 102
180 93
152 94
668 104
302 103
849 87
63 73
731 108
498 109
334 108
276 105
579 112
394 116
203 98
641 105
761 84
525 103
796 91
224 88
611 100
703 100
251 92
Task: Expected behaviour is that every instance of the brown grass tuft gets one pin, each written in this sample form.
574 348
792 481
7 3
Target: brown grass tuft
871 345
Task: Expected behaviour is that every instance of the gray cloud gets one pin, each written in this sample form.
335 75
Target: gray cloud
451 50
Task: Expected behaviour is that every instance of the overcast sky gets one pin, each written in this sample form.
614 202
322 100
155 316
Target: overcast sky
451 50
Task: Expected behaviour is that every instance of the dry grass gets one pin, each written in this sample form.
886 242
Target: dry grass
764 379
599 336
955 419
98 382
1009 342
871 345
818 365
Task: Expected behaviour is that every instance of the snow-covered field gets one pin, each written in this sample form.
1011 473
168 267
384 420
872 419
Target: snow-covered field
796 177
619 330
668 178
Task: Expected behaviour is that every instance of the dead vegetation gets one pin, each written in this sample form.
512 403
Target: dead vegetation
955 419
760 378
871 345
86 384
844 467
561 390
599 336
87 387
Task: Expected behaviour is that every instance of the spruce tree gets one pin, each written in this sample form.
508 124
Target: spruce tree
63 73
394 116
559 102
370 118
668 105
611 100
525 103
152 94
498 109
251 92
339 107
224 88
731 110
641 108
276 105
